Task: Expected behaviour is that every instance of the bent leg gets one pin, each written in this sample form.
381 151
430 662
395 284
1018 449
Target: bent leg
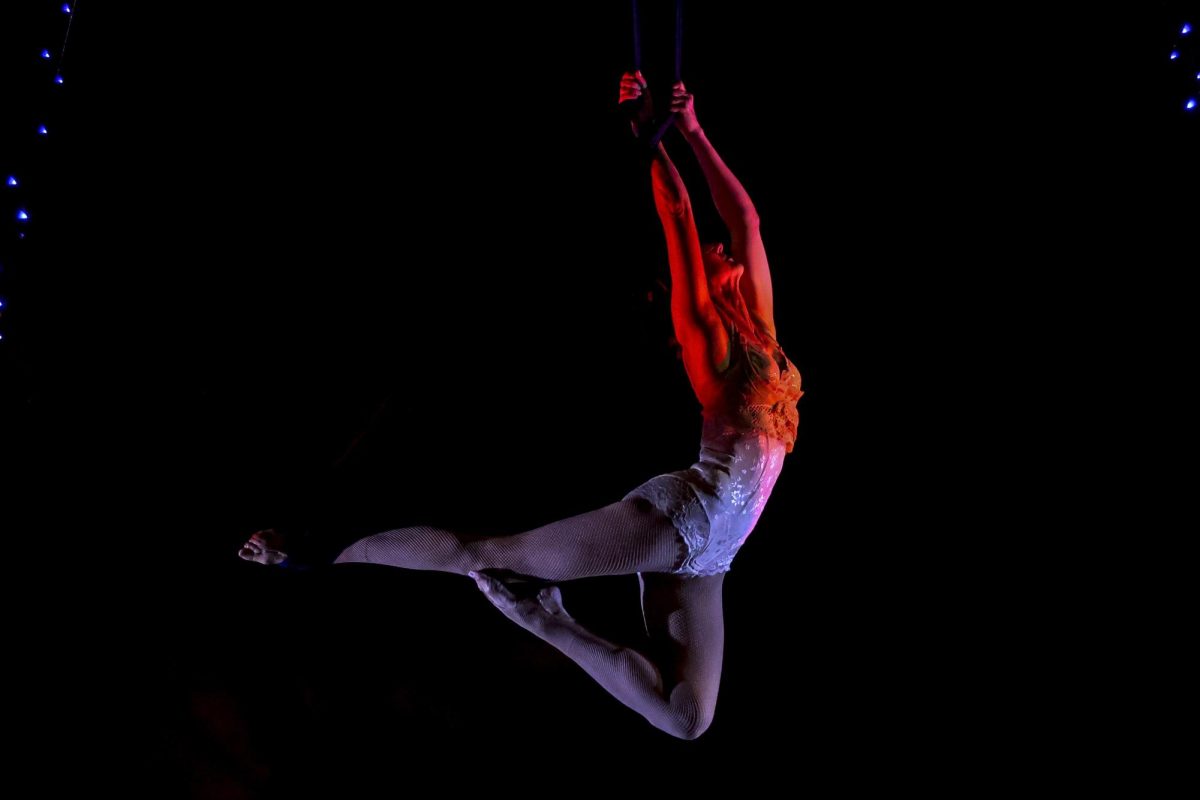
622 538
673 685
685 621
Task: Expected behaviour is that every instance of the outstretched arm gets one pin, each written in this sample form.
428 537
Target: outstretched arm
691 304
678 693
697 325
735 207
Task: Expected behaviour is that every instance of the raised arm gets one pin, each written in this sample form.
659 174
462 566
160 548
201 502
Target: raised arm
690 300
697 325
735 207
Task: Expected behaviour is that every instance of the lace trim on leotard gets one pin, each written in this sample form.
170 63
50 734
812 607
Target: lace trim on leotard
677 500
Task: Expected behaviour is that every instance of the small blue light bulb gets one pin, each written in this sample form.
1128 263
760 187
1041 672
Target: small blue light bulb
58 79
12 180
45 54
1190 104
42 130
1186 29
66 8
1174 54
22 216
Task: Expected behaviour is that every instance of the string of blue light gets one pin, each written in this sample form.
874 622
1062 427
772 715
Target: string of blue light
15 182
1177 55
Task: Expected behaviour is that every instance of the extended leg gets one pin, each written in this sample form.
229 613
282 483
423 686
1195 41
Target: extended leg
674 685
622 538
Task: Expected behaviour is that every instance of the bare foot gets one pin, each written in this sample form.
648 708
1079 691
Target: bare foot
527 611
264 547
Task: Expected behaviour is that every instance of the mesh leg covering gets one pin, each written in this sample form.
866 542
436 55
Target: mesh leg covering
622 538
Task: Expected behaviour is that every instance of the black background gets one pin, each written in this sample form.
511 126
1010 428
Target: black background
259 235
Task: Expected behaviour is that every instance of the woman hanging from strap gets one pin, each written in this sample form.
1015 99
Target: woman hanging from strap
678 531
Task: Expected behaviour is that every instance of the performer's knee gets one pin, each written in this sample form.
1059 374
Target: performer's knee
691 717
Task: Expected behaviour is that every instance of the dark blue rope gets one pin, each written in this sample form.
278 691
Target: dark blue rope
637 39
670 120
678 40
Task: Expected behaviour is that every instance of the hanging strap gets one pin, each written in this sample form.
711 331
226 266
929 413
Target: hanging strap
678 40
633 107
637 39
670 120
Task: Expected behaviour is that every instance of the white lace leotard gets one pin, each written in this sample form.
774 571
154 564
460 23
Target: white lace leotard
715 503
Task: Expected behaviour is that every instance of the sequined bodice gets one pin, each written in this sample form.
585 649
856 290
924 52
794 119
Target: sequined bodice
760 388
